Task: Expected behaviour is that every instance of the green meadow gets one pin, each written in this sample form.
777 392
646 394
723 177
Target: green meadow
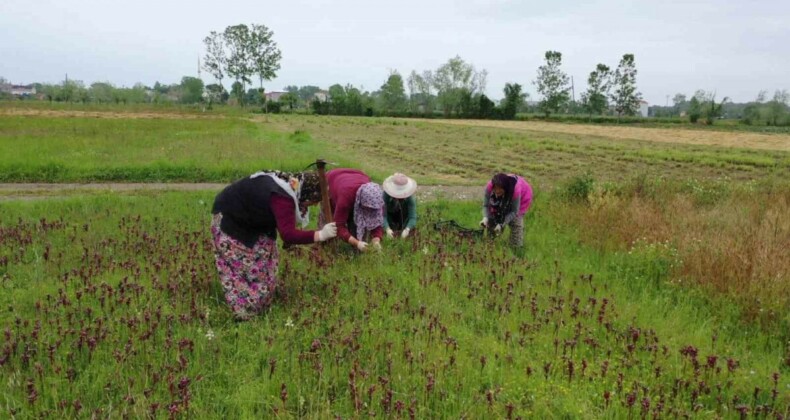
654 282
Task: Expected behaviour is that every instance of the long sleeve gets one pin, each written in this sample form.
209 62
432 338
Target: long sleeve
411 203
486 197
387 201
377 233
342 211
283 209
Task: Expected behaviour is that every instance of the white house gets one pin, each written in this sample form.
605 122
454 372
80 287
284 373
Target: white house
19 90
321 95
643 108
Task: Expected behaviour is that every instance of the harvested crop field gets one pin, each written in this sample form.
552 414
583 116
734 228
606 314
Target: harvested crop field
661 135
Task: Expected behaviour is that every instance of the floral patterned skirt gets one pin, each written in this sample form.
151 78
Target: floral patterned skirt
248 275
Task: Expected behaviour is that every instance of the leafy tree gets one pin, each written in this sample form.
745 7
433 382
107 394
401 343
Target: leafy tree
264 53
215 61
513 100
216 93
237 91
191 90
393 96
711 110
454 81
778 108
337 96
695 109
72 91
51 92
101 92
307 93
420 95
595 99
290 99
485 107
625 97
552 83
238 41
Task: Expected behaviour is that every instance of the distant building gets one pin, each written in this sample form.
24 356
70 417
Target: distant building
643 108
274 96
19 90
321 95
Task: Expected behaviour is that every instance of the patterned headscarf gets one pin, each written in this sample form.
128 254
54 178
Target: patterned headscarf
303 187
307 188
310 190
368 208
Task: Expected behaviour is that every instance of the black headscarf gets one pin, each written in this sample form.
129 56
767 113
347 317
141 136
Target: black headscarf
499 206
507 183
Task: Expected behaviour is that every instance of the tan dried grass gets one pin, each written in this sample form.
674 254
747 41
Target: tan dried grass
662 135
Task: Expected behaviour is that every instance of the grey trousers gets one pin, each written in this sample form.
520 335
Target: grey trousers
516 232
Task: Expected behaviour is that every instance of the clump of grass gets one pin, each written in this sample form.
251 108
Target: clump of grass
300 136
579 188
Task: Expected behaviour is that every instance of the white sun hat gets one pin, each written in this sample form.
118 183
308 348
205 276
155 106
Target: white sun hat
399 186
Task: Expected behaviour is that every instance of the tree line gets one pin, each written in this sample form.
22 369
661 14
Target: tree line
456 89
703 107
190 90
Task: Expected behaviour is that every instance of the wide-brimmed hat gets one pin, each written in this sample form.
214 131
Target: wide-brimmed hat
399 186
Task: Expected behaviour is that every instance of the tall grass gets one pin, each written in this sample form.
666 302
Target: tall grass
732 239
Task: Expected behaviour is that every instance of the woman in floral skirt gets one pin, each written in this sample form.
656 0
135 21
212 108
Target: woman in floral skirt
247 215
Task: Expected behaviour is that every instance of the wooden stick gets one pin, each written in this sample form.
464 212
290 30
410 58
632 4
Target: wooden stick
326 208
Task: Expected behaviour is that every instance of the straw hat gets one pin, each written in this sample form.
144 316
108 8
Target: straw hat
399 186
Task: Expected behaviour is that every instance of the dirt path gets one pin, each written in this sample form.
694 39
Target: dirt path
10 192
663 135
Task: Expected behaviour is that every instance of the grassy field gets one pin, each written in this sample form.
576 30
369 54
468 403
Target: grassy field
64 146
146 147
113 309
655 283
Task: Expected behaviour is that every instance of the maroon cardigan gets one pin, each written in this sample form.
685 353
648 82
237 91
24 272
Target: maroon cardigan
343 185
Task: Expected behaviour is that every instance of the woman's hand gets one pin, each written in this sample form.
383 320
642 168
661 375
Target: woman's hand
329 231
405 233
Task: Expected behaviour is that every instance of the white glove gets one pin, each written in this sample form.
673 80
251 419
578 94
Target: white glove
377 245
329 231
390 233
405 233
484 222
362 246
498 228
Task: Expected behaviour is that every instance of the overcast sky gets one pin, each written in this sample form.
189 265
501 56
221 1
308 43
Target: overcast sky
733 48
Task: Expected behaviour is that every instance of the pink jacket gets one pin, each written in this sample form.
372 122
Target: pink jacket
522 193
